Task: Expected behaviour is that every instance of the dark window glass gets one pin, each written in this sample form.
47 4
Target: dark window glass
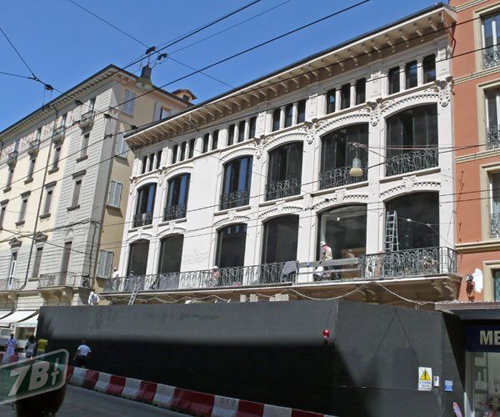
138 258
285 171
151 161
330 101
146 199
144 164
171 254
344 230
289 115
177 197
253 125
206 139
429 65
491 99
276 119
241 131
174 154
158 159
301 111
215 139
394 80
236 185
411 71
230 135
337 149
183 150
231 242
407 130
421 209
345 96
280 239
360 91
38 261
191 147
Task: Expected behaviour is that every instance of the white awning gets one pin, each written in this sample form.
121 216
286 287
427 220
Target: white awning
4 313
16 316
29 322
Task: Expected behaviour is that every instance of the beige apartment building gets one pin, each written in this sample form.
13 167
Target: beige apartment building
64 182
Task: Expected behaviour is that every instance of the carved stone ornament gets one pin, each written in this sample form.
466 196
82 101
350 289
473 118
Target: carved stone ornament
444 88
311 128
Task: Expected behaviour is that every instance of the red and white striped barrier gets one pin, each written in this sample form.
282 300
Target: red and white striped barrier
178 399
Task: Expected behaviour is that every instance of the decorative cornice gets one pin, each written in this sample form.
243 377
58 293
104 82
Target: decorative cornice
273 141
341 197
280 209
409 184
231 218
247 150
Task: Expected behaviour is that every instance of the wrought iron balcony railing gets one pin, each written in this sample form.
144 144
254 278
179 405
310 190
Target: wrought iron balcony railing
63 279
174 212
340 176
493 136
58 134
143 219
234 199
391 265
409 263
411 161
491 56
266 274
495 225
10 284
282 189
87 120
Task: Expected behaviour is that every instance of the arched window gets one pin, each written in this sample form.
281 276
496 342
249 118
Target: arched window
171 254
145 205
138 258
339 149
177 197
412 140
416 220
285 171
344 231
231 241
280 239
236 185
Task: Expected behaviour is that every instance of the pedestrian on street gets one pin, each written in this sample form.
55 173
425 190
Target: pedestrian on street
30 347
93 299
10 348
82 355
41 346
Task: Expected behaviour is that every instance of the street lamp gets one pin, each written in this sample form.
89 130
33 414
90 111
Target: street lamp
356 170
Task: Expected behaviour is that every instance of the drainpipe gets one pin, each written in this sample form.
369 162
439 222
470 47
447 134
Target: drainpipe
39 206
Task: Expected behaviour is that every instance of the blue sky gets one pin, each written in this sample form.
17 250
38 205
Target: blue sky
64 45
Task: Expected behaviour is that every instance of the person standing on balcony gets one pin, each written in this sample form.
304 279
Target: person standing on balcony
326 255
93 299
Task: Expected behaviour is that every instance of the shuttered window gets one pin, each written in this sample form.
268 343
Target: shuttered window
121 147
115 194
105 263
129 102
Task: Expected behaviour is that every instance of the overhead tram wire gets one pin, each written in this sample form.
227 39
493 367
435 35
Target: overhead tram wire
150 48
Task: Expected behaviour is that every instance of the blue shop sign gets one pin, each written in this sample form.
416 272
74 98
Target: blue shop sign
482 337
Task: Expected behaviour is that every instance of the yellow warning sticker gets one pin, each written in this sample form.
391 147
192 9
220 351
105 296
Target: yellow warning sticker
424 379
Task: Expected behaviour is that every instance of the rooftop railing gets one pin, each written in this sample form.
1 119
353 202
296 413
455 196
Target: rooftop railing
234 199
340 176
282 189
63 279
174 212
400 264
411 161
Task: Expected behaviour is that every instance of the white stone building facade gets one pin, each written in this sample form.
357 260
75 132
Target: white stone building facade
385 98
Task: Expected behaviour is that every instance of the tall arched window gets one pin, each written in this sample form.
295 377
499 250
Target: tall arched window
285 171
138 258
344 231
416 220
231 242
236 185
177 197
339 149
145 205
171 254
280 239
412 140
